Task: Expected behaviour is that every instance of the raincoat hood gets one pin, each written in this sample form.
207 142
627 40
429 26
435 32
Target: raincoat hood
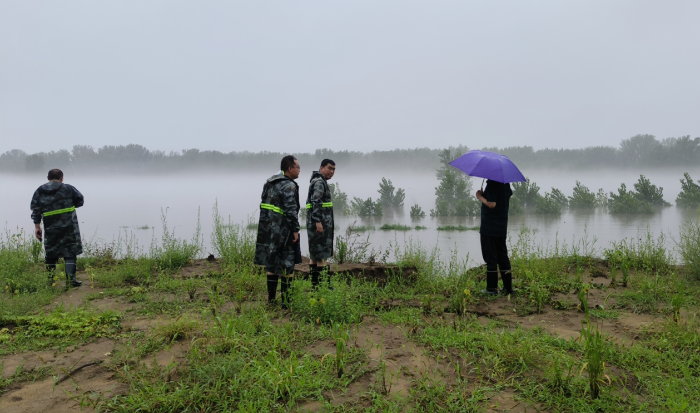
51 187
316 174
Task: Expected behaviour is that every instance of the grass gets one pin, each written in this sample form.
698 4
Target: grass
241 354
457 228
395 227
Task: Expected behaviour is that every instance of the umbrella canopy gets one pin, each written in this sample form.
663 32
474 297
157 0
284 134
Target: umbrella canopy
488 165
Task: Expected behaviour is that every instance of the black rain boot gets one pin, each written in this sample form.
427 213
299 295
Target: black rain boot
51 268
314 276
327 272
71 269
272 288
507 278
286 283
491 283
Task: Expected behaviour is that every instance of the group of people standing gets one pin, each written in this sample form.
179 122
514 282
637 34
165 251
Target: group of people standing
277 245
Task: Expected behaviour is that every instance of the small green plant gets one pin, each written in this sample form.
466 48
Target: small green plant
351 247
341 335
595 349
677 302
538 296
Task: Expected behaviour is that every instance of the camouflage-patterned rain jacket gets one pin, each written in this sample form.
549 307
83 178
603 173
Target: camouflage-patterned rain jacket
279 219
55 202
319 208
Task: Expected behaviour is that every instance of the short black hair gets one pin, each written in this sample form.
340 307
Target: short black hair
287 162
55 174
326 162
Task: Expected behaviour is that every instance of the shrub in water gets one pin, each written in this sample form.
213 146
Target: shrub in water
387 197
689 245
515 206
626 202
417 211
647 192
547 205
528 192
582 197
689 197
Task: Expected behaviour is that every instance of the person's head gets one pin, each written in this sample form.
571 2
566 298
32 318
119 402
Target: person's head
55 175
290 167
327 168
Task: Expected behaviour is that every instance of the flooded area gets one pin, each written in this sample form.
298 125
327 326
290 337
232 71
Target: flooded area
131 205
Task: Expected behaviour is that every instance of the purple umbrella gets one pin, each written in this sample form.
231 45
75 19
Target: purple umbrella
488 165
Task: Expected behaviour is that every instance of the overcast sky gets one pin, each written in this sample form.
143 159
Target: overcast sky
358 75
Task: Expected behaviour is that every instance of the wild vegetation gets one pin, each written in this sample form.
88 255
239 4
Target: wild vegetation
589 329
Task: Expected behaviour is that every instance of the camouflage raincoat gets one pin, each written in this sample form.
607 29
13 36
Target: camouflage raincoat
279 219
319 208
55 203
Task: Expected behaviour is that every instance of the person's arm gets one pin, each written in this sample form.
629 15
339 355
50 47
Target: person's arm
480 196
289 207
316 213
78 199
36 215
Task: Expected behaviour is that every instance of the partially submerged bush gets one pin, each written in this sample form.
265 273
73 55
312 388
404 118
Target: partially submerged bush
627 202
582 197
417 211
547 205
647 192
453 197
689 197
558 196
366 208
528 192
387 197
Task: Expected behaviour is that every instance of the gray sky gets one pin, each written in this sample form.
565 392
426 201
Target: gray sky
357 75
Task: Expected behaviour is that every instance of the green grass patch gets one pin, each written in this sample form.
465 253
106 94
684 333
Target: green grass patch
395 227
457 228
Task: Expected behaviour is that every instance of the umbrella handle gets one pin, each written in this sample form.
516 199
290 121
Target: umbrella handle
482 185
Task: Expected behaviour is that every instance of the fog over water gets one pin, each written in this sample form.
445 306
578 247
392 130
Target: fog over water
117 206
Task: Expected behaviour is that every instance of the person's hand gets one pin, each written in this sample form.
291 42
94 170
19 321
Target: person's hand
479 193
38 234
296 237
319 228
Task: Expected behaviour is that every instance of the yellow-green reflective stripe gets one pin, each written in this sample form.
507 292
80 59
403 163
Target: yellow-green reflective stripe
59 211
272 208
324 205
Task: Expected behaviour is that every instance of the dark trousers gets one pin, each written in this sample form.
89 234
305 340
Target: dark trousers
495 253
70 266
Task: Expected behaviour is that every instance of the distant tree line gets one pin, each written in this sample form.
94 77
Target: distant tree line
636 151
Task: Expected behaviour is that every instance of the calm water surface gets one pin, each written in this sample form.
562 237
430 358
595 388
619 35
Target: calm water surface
120 205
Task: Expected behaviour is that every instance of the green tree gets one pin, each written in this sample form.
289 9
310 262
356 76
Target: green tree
34 163
689 197
647 192
387 196
558 196
366 207
582 197
452 198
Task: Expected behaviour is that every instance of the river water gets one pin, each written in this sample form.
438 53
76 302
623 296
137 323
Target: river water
117 206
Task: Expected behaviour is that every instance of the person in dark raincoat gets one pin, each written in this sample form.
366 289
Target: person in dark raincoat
495 200
278 229
319 221
55 204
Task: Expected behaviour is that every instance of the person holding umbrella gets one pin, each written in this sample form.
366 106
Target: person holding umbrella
495 201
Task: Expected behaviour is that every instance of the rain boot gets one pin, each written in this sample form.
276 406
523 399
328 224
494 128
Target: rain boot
286 283
71 269
491 283
507 278
327 273
272 288
314 275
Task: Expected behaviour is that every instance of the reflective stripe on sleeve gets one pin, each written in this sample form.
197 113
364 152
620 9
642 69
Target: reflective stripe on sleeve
59 211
